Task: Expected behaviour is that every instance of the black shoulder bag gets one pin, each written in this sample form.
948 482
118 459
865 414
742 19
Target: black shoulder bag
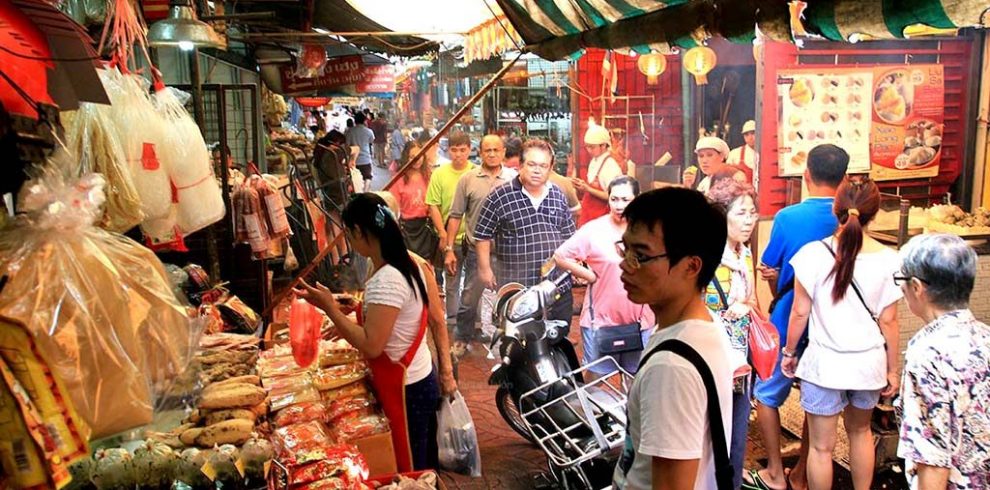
788 287
615 339
723 467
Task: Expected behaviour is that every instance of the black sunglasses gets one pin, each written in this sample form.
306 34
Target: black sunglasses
901 279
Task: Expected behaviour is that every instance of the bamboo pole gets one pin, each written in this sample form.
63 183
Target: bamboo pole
422 152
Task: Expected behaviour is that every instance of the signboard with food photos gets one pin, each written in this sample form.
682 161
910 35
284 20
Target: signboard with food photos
889 118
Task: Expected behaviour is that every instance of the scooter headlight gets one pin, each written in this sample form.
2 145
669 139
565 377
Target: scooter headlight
523 306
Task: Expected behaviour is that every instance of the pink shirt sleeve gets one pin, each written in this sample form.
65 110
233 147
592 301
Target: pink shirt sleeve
577 247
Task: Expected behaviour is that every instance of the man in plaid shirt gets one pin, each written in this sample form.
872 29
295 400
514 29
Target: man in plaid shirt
527 218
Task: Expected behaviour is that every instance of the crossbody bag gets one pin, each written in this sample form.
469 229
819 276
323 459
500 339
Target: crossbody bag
723 466
615 339
859 294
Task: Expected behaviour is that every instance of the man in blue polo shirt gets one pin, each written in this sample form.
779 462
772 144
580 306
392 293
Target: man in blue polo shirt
793 227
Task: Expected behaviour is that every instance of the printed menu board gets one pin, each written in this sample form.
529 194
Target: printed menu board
908 108
889 119
819 106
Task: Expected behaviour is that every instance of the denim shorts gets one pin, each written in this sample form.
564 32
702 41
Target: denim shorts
827 402
628 360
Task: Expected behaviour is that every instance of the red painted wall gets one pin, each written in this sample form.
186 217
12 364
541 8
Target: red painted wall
666 104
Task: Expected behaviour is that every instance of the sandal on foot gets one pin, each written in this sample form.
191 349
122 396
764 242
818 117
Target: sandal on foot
753 481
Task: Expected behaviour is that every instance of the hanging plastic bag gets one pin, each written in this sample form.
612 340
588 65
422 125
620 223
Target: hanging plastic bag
99 305
91 138
304 332
199 201
764 344
457 438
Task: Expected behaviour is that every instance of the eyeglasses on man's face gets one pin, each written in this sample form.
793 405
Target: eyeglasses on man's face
900 279
537 165
632 258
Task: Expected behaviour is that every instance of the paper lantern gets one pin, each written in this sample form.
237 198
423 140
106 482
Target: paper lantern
699 61
652 65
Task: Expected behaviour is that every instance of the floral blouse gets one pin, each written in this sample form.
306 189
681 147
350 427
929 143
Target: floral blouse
945 400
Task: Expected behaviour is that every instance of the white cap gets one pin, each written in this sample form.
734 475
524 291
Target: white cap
596 135
748 126
713 143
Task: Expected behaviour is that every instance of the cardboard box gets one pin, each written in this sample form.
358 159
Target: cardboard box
378 450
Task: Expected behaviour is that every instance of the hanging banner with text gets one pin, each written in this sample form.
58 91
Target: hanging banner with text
377 79
337 74
889 119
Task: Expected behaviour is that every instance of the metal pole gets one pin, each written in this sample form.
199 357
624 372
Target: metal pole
422 152
199 113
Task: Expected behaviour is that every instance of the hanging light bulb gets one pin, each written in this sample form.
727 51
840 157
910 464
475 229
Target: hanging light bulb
652 65
183 29
699 61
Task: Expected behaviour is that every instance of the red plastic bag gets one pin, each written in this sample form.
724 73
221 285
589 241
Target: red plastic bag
764 344
304 332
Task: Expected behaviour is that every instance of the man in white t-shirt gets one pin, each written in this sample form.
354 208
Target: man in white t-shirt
746 154
671 248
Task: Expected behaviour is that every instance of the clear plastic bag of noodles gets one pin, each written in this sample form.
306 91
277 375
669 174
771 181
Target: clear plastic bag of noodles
98 304
141 132
91 138
190 167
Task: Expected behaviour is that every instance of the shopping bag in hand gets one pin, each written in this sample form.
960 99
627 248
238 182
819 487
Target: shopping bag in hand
764 344
457 438
304 332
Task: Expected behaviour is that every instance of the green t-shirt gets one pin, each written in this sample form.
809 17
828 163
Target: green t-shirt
440 193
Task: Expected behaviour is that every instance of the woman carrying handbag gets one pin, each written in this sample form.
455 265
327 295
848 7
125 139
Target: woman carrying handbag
844 294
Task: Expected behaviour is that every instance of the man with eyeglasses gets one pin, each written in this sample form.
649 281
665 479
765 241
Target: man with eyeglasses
472 190
672 245
525 221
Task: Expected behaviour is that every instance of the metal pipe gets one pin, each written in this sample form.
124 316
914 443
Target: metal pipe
347 33
239 16
433 141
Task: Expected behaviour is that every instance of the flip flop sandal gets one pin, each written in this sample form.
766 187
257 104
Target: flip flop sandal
753 481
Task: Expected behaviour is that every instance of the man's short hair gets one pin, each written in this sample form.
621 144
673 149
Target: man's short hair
827 165
458 138
360 118
691 226
513 148
538 144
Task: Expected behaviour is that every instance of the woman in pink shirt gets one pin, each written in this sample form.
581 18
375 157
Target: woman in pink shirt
410 191
607 309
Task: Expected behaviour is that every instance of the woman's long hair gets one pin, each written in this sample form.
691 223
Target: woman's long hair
370 214
856 203
407 154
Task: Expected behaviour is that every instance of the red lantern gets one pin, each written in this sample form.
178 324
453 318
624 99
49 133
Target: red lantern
312 101
314 56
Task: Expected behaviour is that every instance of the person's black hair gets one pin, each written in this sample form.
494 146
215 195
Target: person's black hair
458 138
350 123
333 137
369 213
624 180
691 226
360 118
513 148
827 165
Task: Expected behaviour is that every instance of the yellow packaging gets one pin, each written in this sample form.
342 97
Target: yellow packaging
47 393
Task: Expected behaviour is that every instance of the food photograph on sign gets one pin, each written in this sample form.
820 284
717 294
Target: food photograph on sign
818 108
906 138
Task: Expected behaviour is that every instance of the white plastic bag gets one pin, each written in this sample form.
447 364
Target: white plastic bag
457 438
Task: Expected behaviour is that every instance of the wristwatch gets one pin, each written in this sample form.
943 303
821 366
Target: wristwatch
785 353
448 248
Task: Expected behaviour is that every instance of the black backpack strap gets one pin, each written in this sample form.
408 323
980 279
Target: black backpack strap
723 467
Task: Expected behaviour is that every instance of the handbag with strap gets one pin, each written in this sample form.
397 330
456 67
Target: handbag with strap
615 339
723 466
764 340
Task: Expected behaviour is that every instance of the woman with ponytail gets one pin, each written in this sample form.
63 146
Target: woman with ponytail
844 293
391 337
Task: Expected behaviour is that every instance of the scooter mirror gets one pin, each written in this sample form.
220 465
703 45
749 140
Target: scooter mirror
548 267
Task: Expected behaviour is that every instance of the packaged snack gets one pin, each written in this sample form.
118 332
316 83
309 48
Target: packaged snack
276 367
352 428
291 398
302 443
335 352
345 407
352 390
301 412
341 375
341 461
288 384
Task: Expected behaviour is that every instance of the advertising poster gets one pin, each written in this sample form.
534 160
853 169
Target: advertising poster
908 105
823 105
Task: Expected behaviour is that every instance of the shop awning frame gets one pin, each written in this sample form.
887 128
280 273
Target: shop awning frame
340 16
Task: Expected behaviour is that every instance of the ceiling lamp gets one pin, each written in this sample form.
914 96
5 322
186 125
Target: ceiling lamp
652 65
183 29
699 61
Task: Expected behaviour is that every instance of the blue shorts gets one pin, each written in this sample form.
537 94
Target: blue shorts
627 360
827 402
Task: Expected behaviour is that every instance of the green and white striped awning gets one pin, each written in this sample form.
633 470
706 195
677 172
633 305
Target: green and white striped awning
556 29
